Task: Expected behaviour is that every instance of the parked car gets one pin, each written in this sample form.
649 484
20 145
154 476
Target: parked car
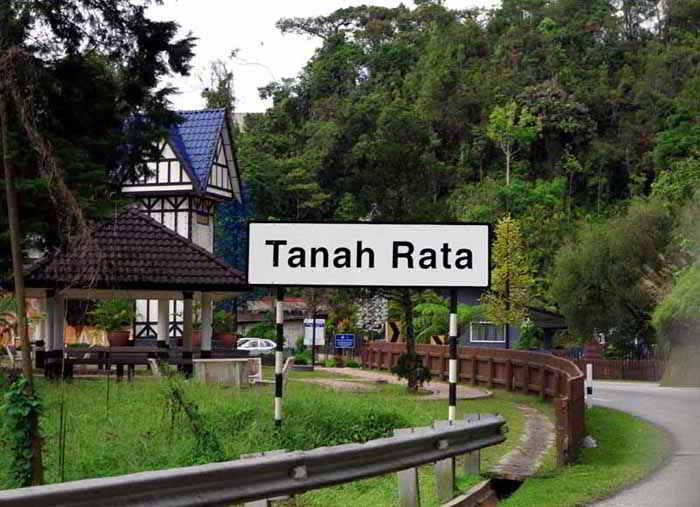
257 346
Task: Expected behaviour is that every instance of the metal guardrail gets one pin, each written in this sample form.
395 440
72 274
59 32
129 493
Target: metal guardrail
270 475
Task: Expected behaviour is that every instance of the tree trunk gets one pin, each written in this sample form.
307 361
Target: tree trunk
508 155
18 275
410 340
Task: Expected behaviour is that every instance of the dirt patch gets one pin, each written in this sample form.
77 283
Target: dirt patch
341 385
438 390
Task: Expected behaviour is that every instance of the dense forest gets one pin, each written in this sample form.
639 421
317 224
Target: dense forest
579 118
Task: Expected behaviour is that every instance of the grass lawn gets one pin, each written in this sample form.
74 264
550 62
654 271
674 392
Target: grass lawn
132 432
628 449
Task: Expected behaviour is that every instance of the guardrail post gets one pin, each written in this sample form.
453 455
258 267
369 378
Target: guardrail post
444 472
472 460
409 493
265 502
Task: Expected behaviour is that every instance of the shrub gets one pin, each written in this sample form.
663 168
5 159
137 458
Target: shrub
303 357
330 363
529 336
222 321
352 364
113 314
410 363
299 345
334 422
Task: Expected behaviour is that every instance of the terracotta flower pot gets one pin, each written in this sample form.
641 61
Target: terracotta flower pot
118 338
196 338
225 339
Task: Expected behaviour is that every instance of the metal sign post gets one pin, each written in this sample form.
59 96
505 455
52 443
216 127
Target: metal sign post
279 356
452 410
313 343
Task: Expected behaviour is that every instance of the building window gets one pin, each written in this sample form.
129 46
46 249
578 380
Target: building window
487 332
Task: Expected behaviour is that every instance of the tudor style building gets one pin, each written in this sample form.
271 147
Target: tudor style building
196 169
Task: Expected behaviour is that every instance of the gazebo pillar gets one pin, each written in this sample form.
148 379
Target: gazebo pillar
187 367
59 315
206 330
47 325
40 344
163 322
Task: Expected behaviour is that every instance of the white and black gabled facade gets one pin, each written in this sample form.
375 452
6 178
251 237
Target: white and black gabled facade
195 169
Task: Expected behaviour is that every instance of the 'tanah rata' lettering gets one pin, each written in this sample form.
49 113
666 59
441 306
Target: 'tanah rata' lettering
427 258
320 257
403 256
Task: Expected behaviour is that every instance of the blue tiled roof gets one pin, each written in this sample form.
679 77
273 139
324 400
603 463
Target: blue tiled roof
195 140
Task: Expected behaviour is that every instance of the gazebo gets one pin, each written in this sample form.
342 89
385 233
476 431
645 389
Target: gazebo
135 257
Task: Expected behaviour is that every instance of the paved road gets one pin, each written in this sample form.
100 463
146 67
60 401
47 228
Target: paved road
676 484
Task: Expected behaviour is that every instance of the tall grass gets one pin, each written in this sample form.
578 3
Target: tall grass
135 432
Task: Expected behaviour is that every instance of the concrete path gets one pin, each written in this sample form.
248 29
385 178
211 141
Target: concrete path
439 389
535 442
677 483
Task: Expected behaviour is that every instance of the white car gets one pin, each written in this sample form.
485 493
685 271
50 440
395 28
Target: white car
257 346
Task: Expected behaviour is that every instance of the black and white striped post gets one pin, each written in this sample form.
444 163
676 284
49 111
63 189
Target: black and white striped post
452 412
279 355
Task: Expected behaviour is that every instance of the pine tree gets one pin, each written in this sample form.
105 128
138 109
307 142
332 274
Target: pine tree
511 279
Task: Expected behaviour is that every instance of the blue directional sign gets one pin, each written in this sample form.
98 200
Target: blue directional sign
345 341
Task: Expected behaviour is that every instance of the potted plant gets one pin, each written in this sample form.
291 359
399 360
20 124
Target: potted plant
222 328
196 332
113 315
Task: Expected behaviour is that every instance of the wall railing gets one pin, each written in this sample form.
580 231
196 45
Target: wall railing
534 373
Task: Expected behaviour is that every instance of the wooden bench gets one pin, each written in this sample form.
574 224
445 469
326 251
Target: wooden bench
118 356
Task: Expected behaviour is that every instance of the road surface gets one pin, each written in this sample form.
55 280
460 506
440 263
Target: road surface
677 483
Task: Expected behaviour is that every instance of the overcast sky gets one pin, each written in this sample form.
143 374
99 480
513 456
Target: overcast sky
249 26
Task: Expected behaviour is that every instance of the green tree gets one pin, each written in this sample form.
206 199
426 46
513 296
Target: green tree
511 278
71 73
218 91
598 277
512 130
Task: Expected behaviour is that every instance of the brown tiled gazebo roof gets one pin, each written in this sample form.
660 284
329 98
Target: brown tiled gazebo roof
134 252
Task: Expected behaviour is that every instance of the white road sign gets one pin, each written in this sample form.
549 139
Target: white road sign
320 332
364 254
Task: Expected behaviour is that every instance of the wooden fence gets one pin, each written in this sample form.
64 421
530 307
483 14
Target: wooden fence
550 377
609 369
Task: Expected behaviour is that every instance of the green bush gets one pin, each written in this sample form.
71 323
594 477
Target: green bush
333 421
303 357
408 363
113 314
352 364
330 363
299 346
529 336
